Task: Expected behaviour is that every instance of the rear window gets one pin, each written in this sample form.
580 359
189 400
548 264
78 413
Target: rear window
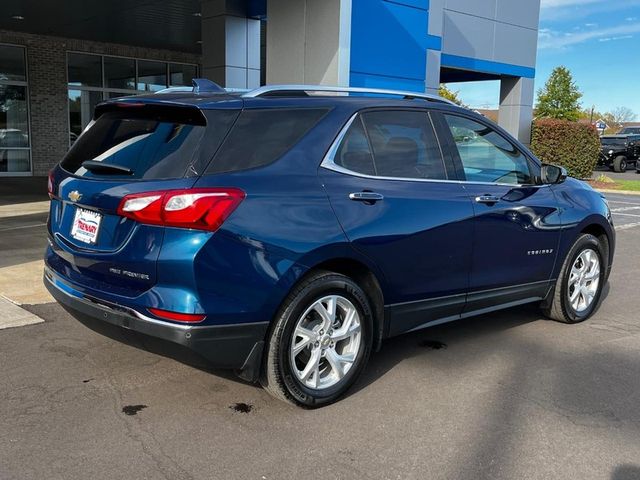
153 143
259 137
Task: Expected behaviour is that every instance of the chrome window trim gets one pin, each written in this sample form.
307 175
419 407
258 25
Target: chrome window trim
329 164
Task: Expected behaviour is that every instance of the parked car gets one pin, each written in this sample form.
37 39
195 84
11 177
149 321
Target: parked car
286 234
618 151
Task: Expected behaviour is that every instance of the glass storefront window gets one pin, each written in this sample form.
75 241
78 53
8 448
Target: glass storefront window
181 75
15 151
152 76
120 73
81 105
85 70
94 78
12 64
14 161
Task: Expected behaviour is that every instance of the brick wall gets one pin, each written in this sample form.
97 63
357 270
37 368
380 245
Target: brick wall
47 76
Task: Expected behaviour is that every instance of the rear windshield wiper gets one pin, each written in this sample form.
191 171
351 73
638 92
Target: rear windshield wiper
95 166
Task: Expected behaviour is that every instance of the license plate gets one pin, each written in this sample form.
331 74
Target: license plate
86 225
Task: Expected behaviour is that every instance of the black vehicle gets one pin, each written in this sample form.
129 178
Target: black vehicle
617 151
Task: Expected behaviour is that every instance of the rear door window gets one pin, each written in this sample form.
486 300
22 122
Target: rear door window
404 145
354 152
395 144
261 136
151 143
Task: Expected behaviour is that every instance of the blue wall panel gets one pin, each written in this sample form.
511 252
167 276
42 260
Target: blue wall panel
388 43
487 66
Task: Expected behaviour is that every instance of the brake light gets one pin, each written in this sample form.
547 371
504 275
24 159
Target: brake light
178 317
50 185
199 208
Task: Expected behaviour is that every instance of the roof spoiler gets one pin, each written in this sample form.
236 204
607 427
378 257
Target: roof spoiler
200 85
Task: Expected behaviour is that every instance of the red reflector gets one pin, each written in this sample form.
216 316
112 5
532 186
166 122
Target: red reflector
178 317
50 186
200 208
130 104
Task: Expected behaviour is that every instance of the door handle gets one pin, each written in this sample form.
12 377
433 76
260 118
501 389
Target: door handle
367 197
489 199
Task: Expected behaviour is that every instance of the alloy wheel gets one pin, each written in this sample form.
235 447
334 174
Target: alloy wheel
583 281
326 341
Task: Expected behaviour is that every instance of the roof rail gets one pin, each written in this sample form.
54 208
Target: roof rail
274 90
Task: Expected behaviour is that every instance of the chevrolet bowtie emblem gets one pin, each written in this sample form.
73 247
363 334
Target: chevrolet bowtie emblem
75 196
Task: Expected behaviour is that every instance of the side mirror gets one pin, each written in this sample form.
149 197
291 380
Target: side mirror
551 174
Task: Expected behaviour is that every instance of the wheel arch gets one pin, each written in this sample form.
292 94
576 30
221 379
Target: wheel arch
605 239
359 272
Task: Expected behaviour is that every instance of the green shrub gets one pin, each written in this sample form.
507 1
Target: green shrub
573 145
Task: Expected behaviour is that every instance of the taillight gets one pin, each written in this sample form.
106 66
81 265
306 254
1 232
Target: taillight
50 185
200 208
178 317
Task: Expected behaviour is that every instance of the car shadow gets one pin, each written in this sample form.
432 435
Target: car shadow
626 472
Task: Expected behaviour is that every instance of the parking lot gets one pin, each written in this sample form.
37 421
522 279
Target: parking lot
630 174
508 395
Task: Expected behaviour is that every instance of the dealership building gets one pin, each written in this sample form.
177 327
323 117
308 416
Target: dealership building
59 59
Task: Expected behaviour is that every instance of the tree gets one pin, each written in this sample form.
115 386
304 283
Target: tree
559 98
444 92
621 115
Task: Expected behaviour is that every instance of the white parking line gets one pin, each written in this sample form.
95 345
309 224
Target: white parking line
624 203
627 214
624 209
627 226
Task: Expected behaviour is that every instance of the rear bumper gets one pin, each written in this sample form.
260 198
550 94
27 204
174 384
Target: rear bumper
236 346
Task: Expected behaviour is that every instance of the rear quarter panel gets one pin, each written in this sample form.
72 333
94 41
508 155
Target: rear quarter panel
284 226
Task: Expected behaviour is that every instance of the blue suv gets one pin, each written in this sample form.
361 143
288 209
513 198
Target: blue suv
287 231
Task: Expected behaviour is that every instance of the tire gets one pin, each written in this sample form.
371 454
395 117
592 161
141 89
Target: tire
559 306
620 164
284 371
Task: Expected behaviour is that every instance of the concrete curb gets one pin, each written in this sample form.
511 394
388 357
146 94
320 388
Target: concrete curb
12 315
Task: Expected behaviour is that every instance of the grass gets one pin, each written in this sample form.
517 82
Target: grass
604 182
632 185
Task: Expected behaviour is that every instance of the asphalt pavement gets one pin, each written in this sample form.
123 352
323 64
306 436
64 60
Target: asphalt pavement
508 395
630 174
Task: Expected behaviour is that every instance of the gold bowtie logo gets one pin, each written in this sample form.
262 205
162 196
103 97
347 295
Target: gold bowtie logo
75 196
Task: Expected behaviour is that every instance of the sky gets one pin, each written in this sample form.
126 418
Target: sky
598 40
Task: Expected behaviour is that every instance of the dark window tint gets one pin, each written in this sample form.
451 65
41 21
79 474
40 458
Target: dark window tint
12 64
120 72
354 153
153 144
486 155
404 145
152 76
85 70
181 74
260 137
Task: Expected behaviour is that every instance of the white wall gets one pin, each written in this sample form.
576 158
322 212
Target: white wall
308 41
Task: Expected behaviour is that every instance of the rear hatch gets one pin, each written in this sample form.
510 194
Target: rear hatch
130 148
